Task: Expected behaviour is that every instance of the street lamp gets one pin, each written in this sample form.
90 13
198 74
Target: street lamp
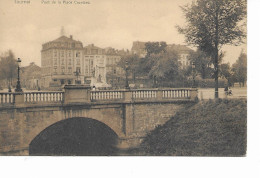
193 74
126 75
18 85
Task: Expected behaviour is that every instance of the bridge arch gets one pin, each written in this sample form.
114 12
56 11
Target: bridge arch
75 136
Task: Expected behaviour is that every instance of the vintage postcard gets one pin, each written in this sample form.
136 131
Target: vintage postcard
123 78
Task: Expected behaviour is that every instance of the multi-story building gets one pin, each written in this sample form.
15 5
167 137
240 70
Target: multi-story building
115 73
183 52
139 48
65 61
95 66
59 60
30 76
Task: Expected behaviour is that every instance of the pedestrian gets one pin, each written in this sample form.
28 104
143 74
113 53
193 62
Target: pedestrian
226 90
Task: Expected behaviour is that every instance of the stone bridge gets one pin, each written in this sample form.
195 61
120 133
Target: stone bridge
131 114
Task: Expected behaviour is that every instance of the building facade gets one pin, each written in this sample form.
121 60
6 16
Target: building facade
66 61
183 53
139 49
31 76
59 60
95 66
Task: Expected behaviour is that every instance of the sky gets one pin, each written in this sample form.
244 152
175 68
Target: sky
113 23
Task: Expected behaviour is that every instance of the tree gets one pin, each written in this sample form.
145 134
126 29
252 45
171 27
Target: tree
164 66
155 47
202 63
225 71
240 69
212 24
130 62
8 67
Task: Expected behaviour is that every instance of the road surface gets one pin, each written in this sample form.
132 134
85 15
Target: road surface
209 93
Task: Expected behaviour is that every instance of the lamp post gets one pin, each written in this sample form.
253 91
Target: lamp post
126 75
193 75
18 85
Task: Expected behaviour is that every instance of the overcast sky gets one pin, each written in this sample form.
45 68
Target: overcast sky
113 23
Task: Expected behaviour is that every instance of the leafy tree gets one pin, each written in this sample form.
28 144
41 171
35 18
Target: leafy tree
212 24
202 63
131 63
240 69
8 67
225 71
155 47
165 66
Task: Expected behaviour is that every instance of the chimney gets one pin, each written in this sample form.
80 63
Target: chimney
71 37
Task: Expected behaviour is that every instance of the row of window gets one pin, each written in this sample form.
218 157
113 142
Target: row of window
94 56
63 54
62 61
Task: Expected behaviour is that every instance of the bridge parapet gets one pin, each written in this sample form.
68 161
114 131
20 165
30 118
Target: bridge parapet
6 98
83 94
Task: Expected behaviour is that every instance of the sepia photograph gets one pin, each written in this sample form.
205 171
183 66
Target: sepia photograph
123 78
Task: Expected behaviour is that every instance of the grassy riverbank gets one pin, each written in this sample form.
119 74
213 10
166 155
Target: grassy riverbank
210 128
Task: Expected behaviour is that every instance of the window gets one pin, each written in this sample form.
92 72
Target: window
78 69
62 61
62 70
77 54
55 70
78 61
55 61
69 61
55 53
62 53
70 70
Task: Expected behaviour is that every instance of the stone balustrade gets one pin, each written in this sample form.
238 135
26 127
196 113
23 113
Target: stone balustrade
106 95
83 94
176 93
31 97
6 98
142 94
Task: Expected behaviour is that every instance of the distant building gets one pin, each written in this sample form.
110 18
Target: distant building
183 52
139 48
114 72
30 76
94 65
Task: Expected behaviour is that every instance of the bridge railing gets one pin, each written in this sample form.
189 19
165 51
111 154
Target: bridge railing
98 96
106 95
6 98
141 94
176 93
35 97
